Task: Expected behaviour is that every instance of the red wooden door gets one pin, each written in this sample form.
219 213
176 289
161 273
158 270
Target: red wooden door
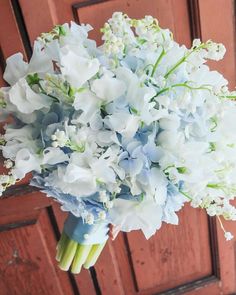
194 257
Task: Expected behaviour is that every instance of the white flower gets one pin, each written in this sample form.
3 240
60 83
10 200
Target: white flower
25 162
82 179
77 69
16 68
102 215
72 180
89 219
124 123
109 204
52 156
103 196
89 103
25 99
18 138
8 164
215 51
1 190
132 215
108 88
59 138
228 236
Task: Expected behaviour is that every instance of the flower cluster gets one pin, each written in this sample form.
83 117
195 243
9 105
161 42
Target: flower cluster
125 132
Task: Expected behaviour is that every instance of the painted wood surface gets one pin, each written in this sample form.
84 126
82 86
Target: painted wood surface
194 257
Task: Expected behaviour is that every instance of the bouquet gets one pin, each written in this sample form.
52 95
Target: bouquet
123 134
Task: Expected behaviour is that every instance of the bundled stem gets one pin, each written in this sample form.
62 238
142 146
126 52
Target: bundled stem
71 254
93 255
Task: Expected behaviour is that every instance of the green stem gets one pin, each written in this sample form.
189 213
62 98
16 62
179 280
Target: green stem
179 85
93 255
81 255
61 246
214 185
157 62
183 59
68 254
45 93
186 195
233 97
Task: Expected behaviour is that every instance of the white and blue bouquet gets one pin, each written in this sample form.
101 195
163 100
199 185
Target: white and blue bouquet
123 134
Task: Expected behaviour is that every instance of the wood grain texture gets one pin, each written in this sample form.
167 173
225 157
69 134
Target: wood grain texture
2 67
175 255
168 12
27 263
10 36
10 42
219 26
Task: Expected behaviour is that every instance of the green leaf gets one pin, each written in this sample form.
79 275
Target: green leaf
212 146
32 79
181 170
134 111
62 31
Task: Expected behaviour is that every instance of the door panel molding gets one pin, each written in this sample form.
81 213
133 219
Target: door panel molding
22 27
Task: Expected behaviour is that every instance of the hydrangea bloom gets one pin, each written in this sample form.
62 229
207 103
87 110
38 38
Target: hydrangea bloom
124 133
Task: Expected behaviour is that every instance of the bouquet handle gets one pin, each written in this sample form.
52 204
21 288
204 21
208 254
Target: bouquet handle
80 244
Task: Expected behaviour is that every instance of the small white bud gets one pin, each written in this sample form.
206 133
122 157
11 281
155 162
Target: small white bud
102 215
86 236
8 163
103 197
89 219
228 236
4 178
53 137
196 42
55 144
109 204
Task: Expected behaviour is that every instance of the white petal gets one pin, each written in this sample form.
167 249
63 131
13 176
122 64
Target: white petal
108 88
25 99
25 162
88 103
131 215
76 69
125 123
74 173
102 171
54 156
16 68
40 61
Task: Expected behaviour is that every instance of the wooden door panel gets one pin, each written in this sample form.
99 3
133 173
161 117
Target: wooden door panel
10 35
175 255
219 26
2 65
27 243
168 13
13 39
